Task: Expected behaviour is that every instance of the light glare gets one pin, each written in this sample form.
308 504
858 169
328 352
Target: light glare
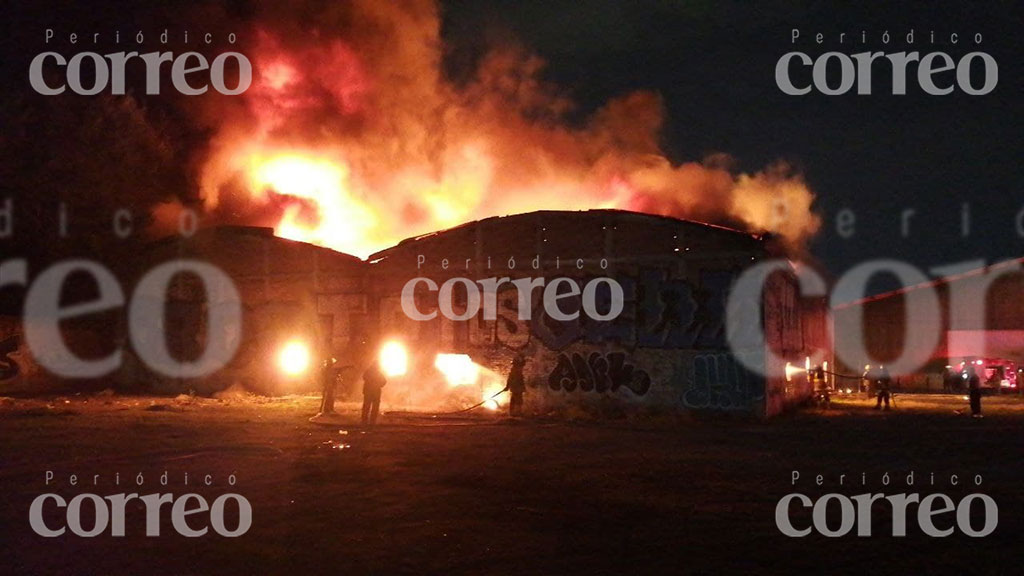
394 360
294 358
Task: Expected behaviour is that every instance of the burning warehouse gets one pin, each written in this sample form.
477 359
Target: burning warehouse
437 286
666 349
300 303
662 347
345 144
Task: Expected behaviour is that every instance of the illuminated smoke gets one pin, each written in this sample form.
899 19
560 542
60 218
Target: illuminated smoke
351 137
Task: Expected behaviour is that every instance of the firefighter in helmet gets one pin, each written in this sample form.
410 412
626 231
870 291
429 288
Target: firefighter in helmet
516 385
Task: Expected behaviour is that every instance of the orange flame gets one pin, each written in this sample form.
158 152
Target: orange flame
352 137
459 370
339 219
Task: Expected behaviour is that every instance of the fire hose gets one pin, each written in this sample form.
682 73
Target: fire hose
477 405
838 375
473 407
892 395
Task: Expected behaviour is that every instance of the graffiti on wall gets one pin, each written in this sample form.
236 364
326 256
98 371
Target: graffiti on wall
507 330
675 314
8 366
598 373
718 382
658 312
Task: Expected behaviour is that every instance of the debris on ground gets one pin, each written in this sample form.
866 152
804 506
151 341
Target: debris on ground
234 392
332 445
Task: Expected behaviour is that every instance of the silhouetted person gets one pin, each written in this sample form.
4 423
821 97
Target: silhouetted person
818 379
373 382
882 384
516 385
819 385
328 379
974 390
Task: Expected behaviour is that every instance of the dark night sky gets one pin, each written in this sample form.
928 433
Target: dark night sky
714 62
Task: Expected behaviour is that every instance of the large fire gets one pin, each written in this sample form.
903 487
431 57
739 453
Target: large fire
353 137
459 370
394 359
320 208
294 358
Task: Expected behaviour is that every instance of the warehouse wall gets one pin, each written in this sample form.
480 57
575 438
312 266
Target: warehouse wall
92 336
666 351
798 332
289 290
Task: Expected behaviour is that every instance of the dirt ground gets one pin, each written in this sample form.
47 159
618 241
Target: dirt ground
487 495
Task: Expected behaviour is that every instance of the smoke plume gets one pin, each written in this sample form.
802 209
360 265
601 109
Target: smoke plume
352 137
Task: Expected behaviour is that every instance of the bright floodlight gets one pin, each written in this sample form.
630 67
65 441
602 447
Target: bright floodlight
294 358
394 360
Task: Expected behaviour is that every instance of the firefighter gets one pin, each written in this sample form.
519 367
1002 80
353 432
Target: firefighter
818 379
974 390
516 385
373 382
882 383
949 380
819 385
328 381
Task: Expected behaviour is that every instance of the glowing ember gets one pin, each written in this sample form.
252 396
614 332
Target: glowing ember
394 360
294 358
